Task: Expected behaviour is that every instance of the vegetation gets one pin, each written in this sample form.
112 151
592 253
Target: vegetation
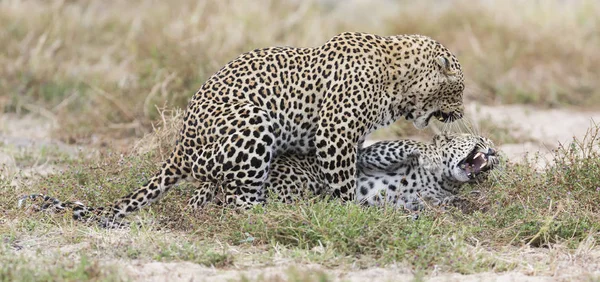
105 67
516 207
110 68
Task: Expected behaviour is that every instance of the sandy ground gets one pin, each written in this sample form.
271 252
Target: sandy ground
190 272
535 265
546 128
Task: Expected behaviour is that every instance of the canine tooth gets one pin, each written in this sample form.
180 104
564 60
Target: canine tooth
441 118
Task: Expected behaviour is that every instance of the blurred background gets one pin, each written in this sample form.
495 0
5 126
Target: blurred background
105 69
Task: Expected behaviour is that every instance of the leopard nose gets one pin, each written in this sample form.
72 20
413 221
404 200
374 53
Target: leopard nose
491 152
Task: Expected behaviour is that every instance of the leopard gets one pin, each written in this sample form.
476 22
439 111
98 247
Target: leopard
397 173
404 174
319 100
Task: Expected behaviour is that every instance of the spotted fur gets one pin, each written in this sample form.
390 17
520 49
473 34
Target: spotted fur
286 100
402 173
405 174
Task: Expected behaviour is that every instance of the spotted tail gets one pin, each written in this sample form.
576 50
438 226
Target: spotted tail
41 202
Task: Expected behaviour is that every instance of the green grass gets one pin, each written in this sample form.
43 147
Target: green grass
518 206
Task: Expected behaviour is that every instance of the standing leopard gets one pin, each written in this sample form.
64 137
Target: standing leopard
392 173
286 100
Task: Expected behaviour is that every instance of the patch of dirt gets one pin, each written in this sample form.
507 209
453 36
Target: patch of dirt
186 271
544 129
548 128
21 134
538 265
533 264
24 138
555 263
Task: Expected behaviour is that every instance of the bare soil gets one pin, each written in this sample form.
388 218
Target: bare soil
541 131
547 129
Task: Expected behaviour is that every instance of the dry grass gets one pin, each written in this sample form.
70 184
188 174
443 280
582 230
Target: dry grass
103 67
111 67
517 210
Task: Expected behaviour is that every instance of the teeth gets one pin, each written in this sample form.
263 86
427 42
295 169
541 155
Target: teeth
482 165
441 118
478 155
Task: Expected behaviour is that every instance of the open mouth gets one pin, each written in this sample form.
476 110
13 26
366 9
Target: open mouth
477 162
447 117
444 117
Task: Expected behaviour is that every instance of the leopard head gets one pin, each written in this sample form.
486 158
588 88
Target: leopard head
465 156
435 83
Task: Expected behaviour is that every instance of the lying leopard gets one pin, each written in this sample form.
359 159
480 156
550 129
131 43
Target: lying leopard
397 173
402 173
285 100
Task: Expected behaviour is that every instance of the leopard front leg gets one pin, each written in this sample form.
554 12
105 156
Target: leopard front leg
389 155
336 157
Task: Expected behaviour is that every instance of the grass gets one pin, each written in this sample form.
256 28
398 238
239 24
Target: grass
100 68
291 274
17 269
519 207
110 69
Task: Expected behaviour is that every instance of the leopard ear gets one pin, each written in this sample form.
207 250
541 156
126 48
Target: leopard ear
437 138
441 137
444 65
